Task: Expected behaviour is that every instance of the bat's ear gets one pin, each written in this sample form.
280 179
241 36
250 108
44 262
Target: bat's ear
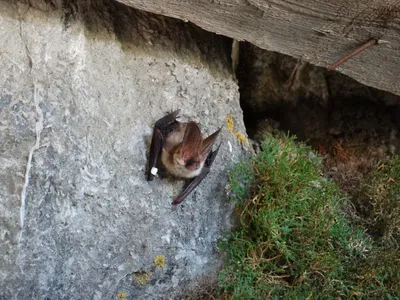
208 143
191 141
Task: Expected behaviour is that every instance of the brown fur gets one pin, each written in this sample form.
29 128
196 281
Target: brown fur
185 144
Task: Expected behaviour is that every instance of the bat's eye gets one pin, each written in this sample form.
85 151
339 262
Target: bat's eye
190 163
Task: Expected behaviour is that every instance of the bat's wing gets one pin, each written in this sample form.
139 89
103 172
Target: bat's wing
160 130
193 183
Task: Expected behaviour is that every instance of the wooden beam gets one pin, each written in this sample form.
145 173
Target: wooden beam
316 31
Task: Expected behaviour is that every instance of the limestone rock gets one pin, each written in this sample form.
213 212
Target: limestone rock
81 88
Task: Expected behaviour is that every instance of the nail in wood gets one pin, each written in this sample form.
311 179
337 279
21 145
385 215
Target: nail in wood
351 54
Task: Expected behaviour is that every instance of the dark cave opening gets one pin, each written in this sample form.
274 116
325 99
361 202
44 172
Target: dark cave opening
351 125
314 104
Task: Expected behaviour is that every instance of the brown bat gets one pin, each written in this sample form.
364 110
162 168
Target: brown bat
182 150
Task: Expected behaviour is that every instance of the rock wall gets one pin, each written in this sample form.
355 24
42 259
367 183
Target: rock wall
81 87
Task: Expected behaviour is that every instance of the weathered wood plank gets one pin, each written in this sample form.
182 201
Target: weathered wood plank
317 31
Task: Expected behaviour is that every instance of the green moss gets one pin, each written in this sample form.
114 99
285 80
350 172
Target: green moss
293 241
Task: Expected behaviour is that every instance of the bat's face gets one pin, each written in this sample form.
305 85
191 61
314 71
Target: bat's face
185 145
191 164
184 166
185 150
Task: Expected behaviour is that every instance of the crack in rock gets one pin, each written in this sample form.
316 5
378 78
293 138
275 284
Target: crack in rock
38 129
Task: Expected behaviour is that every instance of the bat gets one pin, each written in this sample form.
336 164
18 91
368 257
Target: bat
182 150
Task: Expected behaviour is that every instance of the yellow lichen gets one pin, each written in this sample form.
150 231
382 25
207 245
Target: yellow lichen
121 296
229 123
142 278
241 138
159 261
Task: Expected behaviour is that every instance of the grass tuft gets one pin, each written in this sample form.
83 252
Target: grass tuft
293 241
381 193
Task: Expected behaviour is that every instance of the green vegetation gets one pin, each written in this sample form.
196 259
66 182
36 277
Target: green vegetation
379 273
381 195
293 241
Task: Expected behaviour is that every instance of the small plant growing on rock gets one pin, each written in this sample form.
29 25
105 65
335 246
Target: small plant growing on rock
292 239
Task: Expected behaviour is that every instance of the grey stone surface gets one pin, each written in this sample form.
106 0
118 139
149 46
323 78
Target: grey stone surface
80 90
